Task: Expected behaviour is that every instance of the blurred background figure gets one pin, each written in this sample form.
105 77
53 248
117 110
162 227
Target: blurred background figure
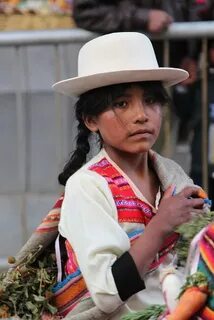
196 126
196 10
132 15
125 15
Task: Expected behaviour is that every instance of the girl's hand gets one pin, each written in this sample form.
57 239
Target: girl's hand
178 209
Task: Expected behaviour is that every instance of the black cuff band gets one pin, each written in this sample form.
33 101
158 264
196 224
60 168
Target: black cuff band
126 276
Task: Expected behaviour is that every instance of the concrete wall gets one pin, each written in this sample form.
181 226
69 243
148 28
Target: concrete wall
37 132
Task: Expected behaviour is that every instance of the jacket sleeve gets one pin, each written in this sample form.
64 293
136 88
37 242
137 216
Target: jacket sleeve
109 16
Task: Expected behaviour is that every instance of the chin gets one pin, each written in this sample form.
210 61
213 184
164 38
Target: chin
134 148
143 147
140 149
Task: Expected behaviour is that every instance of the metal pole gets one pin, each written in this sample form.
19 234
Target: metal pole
204 114
167 150
58 106
21 135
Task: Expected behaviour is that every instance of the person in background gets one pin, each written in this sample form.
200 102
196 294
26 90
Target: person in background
185 93
151 16
120 209
123 15
196 126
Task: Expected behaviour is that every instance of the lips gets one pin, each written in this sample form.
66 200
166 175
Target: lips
142 132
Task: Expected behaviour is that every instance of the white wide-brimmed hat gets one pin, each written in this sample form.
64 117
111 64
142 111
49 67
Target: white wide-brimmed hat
118 58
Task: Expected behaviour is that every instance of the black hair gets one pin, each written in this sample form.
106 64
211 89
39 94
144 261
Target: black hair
93 103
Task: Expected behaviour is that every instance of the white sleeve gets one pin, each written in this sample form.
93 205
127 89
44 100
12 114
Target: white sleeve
89 222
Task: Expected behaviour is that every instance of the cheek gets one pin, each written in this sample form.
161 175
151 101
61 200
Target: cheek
156 116
112 121
110 125
157 122
159 119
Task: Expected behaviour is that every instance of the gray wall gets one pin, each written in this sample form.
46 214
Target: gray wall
37 132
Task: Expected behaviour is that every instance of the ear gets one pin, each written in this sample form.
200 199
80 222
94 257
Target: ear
91 123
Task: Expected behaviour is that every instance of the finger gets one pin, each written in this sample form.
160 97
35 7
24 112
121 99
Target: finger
189 192
195 202
170 191
169 19
166 22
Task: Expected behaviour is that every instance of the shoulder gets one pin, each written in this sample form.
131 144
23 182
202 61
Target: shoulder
87 192
88 181
85 178
170 172
169 163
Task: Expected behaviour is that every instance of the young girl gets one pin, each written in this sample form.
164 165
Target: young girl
121 208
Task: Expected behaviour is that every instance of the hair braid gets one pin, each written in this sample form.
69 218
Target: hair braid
78 158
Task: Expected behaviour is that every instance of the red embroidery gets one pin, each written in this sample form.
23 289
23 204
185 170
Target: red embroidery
129 207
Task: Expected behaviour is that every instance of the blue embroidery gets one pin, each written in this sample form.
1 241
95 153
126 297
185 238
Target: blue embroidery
61 284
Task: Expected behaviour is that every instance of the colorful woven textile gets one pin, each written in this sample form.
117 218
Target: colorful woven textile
69 292
201 259
51 221
206 265
44 235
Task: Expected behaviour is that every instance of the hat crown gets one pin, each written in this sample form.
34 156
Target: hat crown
111 53
118 58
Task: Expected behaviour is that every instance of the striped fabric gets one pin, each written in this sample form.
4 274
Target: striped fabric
206 265
51 221
69 292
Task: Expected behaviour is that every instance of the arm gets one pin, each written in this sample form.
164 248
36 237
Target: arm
106 16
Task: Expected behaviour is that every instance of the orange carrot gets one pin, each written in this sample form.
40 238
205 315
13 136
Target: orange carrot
202 194
191 301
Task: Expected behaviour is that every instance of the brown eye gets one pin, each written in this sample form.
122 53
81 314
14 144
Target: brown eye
150 100
120 104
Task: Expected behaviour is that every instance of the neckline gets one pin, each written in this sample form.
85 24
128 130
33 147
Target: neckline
135 189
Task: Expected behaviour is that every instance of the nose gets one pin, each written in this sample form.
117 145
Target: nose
140 114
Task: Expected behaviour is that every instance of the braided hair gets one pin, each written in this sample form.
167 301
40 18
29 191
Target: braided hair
93 103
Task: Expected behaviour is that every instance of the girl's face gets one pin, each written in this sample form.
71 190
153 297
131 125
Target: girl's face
131 124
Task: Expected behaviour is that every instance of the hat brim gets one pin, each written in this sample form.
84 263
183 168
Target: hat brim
78 85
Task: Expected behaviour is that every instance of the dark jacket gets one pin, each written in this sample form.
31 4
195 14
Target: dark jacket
106 16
